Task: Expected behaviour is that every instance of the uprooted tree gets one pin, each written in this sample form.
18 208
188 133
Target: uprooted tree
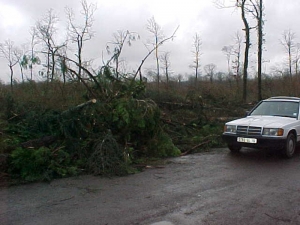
102 136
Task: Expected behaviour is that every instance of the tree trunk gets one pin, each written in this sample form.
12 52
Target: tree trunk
290 62
11 77
48 66
79 45
167 75
247 47
31 66
158 76
259 55
157 62
196 73
53 66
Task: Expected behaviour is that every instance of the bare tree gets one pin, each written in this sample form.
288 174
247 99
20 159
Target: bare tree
228 51
279 70
7 51
120 38
179 78
210 71
297 58
64 64
33 58
78 34
46 30
27 58
155 29
138 71
288 42
220 76
245 7
165 60
236 62
197 43
257 12
21 58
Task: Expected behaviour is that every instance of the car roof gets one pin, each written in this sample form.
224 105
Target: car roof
283 98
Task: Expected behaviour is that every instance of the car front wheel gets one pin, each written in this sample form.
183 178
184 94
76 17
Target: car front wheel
290 146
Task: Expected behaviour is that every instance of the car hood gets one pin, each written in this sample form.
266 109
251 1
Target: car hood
263 121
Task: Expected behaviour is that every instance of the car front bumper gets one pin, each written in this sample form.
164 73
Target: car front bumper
262 141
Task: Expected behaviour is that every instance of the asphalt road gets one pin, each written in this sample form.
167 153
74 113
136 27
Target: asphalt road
254 187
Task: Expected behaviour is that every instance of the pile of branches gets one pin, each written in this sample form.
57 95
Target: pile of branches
108 157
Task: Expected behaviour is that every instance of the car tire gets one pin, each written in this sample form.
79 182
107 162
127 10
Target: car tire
234 148
290 146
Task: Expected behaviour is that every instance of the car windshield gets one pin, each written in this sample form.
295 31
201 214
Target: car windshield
277 108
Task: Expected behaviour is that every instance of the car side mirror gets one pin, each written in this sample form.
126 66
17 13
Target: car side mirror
247 113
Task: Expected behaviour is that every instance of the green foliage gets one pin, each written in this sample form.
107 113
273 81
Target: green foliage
116 87
8 143
139 127
41 164
162 146
74 125
144 122
210 134
33 124
28 61
211 129
7 105
135 121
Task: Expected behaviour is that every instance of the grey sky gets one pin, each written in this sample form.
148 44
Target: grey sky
215 26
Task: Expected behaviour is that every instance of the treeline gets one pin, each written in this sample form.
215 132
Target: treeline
51 56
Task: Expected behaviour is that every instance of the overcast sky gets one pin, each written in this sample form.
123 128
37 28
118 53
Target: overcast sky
215 26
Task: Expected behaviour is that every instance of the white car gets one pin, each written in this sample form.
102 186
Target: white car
273 123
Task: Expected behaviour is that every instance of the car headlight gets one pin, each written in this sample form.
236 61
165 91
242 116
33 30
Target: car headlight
273 131
230 129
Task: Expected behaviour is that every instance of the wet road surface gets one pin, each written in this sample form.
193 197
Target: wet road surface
253 187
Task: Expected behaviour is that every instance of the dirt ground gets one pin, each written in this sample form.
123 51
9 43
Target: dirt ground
254 187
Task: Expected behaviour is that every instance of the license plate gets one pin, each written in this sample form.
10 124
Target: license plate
247 140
